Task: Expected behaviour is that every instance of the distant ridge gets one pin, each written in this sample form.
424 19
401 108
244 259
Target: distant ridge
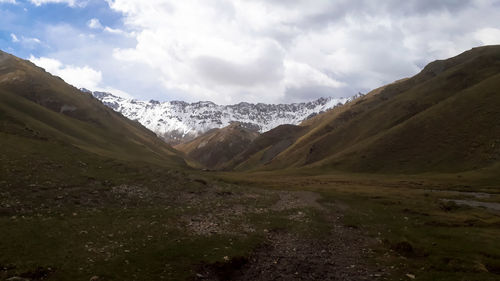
218 146
445 119
179 122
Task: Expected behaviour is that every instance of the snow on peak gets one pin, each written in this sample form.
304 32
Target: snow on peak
178 121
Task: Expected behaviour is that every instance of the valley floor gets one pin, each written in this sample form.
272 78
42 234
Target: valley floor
216 226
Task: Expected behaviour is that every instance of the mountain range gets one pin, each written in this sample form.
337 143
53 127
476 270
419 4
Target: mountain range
178 122
444 119
89 194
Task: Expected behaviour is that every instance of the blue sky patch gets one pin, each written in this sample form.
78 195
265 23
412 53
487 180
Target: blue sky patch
29 24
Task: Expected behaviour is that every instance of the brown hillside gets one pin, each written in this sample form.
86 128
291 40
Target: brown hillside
218 146
45 118
444 119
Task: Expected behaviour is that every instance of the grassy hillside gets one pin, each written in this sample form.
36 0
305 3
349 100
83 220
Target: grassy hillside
264 148
45 120
218 146
445 119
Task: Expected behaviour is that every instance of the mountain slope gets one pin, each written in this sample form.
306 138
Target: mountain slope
178 122
214 148
47 119
444 119
265 147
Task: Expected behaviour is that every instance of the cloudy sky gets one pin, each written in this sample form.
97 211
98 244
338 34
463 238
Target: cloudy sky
229 51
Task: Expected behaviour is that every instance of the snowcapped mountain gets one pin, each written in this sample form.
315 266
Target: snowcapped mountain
178 121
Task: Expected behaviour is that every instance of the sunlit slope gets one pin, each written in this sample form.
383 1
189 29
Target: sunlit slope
444 119
216 147
36 107
265 147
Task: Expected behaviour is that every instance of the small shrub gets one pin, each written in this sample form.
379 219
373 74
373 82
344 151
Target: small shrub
448 206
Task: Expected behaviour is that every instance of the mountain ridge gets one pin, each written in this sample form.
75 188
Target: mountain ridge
216 147
444 119
49 121
179 122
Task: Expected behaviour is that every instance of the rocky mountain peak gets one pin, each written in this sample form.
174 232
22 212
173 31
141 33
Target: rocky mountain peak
178 121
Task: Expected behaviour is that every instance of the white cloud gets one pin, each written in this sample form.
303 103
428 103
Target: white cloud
26 41
71 3
31 40
80 77
268 50
94 23
118 31
14 38
230 51
300 74
8 1
112 30
488 36
211 49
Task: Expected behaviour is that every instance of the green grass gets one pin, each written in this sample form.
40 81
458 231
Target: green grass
139 240
447 241
113 244
446 244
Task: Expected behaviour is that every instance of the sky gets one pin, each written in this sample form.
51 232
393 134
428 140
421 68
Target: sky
229 51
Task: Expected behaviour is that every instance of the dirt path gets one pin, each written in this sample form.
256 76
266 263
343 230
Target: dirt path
342 254
294 236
